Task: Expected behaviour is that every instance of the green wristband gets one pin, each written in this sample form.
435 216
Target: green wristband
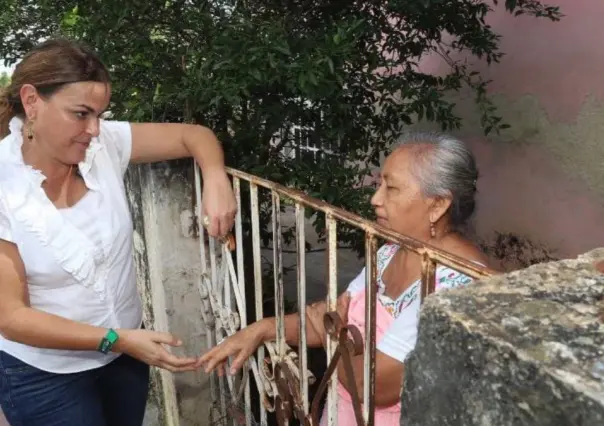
108 341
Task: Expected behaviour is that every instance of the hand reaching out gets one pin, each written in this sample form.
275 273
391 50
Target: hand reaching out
241 345
148 346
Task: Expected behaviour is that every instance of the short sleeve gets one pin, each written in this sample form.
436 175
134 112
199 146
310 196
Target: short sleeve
447 278
6 232
400 339
116 136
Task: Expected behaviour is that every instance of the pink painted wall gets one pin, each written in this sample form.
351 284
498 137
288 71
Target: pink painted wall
543 180
560 63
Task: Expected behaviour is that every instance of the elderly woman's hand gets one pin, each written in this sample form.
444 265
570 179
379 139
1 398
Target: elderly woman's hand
315 315
342 307
218 203
241 345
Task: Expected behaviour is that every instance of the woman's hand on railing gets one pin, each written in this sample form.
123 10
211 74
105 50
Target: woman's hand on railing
147 346
218 203
241 345
315 315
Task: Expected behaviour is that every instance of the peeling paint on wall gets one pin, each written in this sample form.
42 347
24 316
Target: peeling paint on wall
512 252
168 257
543 179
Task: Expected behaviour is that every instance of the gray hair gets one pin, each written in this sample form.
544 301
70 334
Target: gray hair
445 167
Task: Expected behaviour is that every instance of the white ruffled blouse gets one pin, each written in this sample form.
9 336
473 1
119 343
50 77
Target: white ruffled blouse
79 261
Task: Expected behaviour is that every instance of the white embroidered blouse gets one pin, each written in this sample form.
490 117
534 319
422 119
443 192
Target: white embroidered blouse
401 337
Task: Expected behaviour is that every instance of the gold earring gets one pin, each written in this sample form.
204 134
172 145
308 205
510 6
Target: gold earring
432 230
30 130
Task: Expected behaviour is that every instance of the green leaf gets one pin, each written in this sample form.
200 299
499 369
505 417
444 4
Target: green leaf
511 4
283 49
330 64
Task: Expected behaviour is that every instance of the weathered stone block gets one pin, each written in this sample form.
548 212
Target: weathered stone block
526 349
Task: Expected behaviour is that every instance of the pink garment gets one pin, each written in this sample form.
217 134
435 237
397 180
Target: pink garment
384 416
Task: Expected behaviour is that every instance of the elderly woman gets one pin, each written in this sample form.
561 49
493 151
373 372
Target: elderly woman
427 192
72 347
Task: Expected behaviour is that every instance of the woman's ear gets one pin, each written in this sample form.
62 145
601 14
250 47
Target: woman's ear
29 99
439 207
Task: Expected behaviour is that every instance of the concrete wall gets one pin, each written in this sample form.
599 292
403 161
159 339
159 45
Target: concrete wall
168 258
542 181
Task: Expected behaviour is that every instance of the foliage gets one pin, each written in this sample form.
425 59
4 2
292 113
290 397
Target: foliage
253 69
4 79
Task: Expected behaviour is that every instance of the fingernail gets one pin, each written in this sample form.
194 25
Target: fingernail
233 371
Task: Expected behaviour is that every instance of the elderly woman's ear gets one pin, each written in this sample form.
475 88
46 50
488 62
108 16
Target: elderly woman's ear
438 208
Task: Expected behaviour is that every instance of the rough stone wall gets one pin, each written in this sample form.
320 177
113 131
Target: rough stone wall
526 349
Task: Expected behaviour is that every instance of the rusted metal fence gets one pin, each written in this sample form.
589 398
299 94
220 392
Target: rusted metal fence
281 374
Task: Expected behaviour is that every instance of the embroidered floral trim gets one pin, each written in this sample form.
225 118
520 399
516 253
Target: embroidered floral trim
445 278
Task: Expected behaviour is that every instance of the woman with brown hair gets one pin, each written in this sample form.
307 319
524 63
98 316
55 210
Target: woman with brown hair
72 347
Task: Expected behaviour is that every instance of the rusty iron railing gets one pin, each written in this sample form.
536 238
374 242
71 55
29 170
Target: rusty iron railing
281 374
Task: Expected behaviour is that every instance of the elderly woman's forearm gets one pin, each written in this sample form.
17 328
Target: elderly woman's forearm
39 329
388 378
292 331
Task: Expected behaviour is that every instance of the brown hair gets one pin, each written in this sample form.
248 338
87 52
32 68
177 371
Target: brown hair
48 67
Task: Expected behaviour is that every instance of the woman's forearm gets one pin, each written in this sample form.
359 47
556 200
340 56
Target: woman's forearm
388 378
204 147
43 330
292 331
